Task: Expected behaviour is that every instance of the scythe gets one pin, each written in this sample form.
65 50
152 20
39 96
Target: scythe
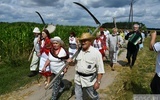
79 49
41 18
95 19
50 28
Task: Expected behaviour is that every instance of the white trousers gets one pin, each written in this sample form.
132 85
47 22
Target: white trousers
113 56
34 62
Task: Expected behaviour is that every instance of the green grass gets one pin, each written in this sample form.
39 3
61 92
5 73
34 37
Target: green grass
13 77
136 80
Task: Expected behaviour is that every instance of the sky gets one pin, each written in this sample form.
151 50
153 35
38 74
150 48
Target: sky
65 12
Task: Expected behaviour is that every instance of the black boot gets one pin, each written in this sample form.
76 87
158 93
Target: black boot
133 61
128 63
33 73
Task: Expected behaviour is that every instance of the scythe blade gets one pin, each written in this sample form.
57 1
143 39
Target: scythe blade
41 19
95 19
51 28
77 52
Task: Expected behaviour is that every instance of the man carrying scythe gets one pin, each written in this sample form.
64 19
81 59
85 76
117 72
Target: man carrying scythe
89 65
89 68
36 51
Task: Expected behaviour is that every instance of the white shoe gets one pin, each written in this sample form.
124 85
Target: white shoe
46 86
45 83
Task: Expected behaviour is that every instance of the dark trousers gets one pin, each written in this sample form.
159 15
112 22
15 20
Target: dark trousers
57 84
132 51
155 84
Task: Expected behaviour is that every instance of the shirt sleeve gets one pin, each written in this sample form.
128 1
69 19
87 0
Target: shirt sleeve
120 40
156 47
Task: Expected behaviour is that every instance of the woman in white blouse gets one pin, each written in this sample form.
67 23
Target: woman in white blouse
56 61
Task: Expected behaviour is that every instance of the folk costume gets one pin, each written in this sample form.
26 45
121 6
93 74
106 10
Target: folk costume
114 42
103 38
35 59
72 46
56 62
45 49
99 44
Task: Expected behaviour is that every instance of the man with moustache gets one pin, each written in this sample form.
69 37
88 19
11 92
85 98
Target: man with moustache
89 69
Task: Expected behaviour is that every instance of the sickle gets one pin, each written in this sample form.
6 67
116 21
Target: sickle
95 19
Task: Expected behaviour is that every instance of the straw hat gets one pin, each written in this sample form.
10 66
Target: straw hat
86 36
58 39
36 30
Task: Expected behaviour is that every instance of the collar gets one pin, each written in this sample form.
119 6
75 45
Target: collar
89 49
114 34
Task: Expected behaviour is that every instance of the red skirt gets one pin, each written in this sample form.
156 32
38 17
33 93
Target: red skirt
102 51
48 73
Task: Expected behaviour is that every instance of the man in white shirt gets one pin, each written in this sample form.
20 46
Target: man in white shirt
89 69
155 84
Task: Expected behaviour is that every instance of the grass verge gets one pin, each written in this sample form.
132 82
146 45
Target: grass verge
136 80
14 76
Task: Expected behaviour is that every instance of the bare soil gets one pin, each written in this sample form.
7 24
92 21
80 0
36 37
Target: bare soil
36 91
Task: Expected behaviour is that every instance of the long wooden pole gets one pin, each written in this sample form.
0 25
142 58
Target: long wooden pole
31 54
79 49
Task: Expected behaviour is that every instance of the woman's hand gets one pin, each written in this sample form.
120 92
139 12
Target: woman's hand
39 54
65 70
43 69
69 60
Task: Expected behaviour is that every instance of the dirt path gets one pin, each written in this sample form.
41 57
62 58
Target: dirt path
36 91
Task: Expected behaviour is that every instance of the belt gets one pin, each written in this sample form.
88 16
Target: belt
85 75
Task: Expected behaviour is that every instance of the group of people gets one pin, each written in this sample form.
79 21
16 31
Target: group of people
108 42
103 42
112 42
50 57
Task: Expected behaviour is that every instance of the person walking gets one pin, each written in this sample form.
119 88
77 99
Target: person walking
89 69
134 39
141 46
155 46
114 42
44 52
56 61
73 44
35 58
98 43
